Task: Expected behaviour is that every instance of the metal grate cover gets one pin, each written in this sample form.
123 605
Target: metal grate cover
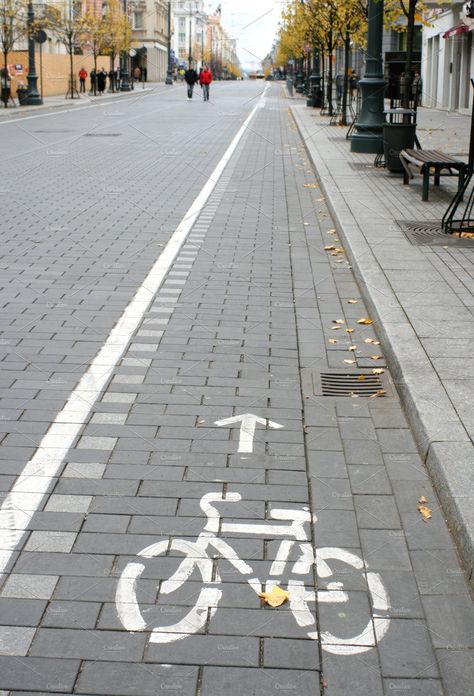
430 233
351 384
362 166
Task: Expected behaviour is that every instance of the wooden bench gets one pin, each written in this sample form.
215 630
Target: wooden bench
431 163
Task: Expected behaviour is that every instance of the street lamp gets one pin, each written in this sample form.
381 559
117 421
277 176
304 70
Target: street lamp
34 97
367 136
169 70
125 81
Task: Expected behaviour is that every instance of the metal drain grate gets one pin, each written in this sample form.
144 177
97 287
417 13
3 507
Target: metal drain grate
429 233
351 384
362 166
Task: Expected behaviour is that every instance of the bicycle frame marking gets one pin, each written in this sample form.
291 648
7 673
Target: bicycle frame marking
196 557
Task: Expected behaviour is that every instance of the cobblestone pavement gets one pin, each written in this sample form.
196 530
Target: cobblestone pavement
115 588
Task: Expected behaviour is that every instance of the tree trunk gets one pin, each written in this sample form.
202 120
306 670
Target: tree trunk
71 66
323 79
330 74
95 70
5 63
347 49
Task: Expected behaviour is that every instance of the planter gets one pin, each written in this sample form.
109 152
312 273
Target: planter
397 137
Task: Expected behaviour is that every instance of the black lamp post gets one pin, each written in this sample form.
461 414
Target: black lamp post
169 71
367 136
125 81
315 81
34 96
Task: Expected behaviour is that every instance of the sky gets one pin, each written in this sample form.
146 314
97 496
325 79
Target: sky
254 23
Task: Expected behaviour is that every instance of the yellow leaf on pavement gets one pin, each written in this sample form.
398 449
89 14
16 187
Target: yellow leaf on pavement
352 348
376 357
350 330
329 247
423 509
333 340
276 597
349 362
338 321
352 301
378 371
365 320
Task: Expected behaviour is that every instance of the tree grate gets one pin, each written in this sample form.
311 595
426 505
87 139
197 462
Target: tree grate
351 384
430 233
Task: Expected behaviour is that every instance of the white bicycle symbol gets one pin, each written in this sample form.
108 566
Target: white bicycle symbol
196 557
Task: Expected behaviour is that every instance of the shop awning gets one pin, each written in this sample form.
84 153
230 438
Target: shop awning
456 31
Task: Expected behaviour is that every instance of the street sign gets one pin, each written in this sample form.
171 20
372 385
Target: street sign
132 53
40 36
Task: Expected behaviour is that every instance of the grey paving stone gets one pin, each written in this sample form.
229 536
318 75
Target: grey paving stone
359 675
450 621
331 494
336 528
413 687
88 645
50 675
422 535
366 453
406 650
457 671
80 615
438 572
405 467
68 503
15 640
207 650
290 654
29 586
265 682
376 512
50 541
369 479
127 679
385 549
21 612
396 440
55 564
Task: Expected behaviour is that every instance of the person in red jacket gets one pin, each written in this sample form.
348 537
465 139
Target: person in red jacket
205 79
82 79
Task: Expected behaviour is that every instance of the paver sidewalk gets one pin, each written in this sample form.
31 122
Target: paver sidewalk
421 296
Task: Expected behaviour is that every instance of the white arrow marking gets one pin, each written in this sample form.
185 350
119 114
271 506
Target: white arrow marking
248 423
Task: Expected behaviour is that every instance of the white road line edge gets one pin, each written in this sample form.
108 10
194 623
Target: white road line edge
33 484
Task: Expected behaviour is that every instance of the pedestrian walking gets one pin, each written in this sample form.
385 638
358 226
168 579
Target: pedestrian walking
101 80
82 80
205 80
191 77
111 80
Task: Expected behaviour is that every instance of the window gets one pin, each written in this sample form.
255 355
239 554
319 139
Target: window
182 37
138 20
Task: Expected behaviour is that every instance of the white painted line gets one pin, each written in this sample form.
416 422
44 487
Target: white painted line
248 423
35 481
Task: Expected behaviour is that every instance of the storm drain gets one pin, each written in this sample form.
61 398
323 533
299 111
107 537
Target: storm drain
362 166
351 384
430 233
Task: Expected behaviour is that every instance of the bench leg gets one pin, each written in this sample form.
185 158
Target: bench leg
461 178
437 176
426 184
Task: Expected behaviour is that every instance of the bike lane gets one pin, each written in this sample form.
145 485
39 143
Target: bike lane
253 318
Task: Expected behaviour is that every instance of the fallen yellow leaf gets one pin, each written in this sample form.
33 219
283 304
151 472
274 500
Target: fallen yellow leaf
378 371
339 250
352 301
333 340
376 357
335 328
380 392
338 321
350 330
276 597
329 247
352 348
349 362
423 509
368 340
310 185
361 378
365 320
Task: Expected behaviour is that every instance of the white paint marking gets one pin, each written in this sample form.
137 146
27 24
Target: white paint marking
248 423
48 459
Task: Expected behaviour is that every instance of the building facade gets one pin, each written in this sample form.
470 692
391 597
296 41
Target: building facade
448 59
189 32
149 21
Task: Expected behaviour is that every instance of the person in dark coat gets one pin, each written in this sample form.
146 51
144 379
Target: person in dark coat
191 77
93 81
101 80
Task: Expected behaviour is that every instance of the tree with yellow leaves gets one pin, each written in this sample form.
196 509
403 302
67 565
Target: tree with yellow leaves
118 31
94 36
13 27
